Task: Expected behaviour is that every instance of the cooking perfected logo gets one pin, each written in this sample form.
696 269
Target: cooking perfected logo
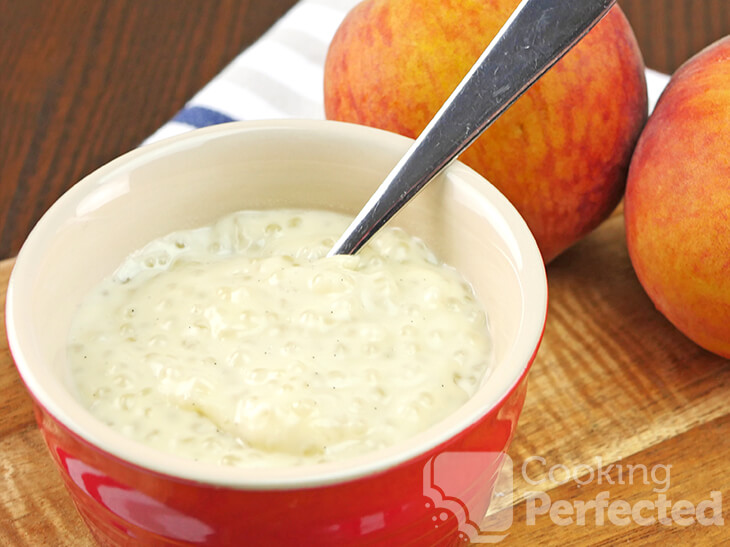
656 505
453 482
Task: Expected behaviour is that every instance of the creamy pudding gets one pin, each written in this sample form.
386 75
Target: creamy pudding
242 344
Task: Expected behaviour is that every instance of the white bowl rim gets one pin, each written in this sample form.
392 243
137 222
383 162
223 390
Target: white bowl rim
533 281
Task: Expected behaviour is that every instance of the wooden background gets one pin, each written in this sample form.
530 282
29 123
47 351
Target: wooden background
82 81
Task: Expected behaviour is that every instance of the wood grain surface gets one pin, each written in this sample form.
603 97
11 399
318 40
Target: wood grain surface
86 80
613 384
670 31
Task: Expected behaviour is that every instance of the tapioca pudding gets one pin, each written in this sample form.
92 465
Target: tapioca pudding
241 343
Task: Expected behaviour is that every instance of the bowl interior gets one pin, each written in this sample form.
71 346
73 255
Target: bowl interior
194 179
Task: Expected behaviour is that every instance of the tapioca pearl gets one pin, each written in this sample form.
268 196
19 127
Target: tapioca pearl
169 373
247 404
197 329
408 412
341 309
410 348
288 347
156 362
471 338
426 400
243 272
100 393
152 436
273 228
456 305
209 361
127 401
307 254
163 305
227 334
158 340
288 260
466 381
297 369
231 460
371 376
224 293
385 286
379 394
275 279
294 222
433 297
400 252
249 320
128 332
372 333
200 294
313 450
327 282
211 443
425 253
471 381
370 349
408 331
163 323
238 359
273 317
356 405
460 358
259 376
275 332
122 381
77 348
435 338
414 312
340 351
201 427
411 370
304 407
356 428
255 246
371 262
188 442
128 430
336 378
311 319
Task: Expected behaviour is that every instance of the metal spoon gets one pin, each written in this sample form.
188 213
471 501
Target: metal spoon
535 37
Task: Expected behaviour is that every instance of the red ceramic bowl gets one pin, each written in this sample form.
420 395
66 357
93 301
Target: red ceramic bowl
129 493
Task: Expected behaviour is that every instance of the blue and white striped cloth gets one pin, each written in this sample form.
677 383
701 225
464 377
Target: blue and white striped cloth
281 75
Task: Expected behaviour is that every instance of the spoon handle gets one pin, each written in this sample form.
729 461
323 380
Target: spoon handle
536 36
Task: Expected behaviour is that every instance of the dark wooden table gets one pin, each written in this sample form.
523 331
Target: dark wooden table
83 81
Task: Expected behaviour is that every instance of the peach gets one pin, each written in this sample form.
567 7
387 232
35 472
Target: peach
560 153
677 205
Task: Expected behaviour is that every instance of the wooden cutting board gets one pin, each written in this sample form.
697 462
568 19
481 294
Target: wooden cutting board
615 388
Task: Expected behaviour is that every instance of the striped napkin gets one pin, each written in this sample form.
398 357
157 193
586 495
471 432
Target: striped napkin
281 75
